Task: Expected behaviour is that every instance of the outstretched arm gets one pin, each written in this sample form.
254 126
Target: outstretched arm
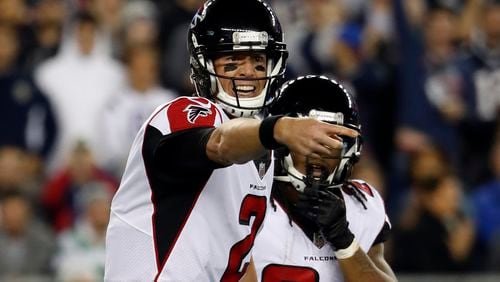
235 141
367 267
239 140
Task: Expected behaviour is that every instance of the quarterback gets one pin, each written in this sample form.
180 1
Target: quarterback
199 174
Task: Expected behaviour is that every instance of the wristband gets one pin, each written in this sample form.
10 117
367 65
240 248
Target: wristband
266 132
347 252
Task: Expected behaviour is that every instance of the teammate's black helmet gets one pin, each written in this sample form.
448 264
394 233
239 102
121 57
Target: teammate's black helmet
230 26
324 99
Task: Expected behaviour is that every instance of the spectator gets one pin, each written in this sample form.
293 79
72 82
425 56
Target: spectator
486 200
19 171
176 17
28 122
430 101
430 106
129 109
109 23
13 12
16 15
79 81
62 196
81 252
47 28
375 80
140 23
480 70
314 35
26 245
108 14
441 234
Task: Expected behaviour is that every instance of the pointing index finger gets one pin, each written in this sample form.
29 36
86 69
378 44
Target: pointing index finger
342 130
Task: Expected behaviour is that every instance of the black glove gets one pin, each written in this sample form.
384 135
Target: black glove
328 211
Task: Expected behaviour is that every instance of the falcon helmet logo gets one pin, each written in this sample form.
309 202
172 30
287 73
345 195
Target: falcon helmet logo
195 111
201 14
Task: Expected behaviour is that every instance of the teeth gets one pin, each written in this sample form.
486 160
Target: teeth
245 88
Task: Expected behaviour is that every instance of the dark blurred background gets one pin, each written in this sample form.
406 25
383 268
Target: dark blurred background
79 77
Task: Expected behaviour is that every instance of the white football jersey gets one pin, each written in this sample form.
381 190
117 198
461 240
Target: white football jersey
283 252
179 225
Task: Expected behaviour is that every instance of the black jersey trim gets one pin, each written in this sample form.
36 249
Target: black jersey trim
383 235
176 182
183 153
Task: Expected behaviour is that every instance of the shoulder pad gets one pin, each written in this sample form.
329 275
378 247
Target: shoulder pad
185 113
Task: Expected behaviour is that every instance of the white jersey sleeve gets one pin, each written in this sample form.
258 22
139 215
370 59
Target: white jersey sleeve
365 223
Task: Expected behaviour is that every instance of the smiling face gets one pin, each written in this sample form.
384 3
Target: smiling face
244 65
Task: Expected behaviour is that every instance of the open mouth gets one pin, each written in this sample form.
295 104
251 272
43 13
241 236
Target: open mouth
245 89
318 171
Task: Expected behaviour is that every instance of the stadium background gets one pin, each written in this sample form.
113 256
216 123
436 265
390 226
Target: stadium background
78 77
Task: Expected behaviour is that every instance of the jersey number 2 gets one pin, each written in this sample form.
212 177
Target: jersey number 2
251 206
289 273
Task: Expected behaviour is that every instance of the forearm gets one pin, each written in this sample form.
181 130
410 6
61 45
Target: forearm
239 140
360 267
236 141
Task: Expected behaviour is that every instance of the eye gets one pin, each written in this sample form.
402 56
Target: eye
260 68
230 67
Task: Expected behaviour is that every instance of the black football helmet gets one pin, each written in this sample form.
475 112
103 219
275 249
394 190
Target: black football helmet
324 99
225 26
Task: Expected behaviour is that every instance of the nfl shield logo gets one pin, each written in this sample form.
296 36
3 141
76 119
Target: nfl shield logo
319 240
262 170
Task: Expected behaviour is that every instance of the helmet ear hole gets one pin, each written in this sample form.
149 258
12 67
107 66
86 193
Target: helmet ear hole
213 79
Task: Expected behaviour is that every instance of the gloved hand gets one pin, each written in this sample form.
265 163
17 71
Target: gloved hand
329 212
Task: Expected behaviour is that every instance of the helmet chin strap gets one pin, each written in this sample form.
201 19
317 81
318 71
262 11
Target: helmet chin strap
229 103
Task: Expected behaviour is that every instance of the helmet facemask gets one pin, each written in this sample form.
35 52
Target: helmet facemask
323 99
318 172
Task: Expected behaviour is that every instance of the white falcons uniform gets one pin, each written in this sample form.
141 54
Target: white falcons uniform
178 216
283 252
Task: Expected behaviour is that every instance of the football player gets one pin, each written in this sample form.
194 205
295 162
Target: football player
321 225
191 199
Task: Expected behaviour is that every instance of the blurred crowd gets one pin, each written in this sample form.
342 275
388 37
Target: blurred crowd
79 77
